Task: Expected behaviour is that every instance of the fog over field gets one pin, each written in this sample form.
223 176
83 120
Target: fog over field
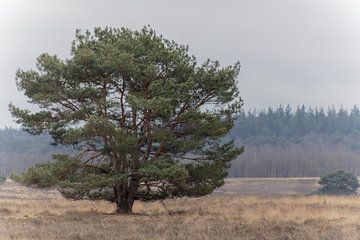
297 52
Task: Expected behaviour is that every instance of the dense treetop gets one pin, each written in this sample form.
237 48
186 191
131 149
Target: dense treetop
146 118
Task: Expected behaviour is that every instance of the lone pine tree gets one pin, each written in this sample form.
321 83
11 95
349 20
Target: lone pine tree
146 120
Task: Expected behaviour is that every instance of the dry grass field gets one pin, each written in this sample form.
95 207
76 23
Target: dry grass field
268 186
27 213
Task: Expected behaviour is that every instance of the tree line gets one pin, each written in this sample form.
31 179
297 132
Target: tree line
303 142
20 150
289 123
280 142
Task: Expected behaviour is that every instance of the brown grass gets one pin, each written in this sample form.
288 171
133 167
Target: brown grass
268 186
27 213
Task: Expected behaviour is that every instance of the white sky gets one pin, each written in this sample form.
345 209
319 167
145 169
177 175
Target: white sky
297 52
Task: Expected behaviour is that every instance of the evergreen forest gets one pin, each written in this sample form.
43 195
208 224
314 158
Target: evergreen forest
300 142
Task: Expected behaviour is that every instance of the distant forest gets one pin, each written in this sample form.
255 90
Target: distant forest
281 142
304 142
19 150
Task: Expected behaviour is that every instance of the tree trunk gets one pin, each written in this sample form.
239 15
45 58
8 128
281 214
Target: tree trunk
125 195
124 205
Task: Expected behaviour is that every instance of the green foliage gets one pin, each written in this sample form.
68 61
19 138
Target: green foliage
339 183
39 175
146 119
47 174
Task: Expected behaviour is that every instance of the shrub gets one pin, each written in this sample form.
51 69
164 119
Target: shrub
339 183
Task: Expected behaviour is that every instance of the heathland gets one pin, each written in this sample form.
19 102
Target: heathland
232 212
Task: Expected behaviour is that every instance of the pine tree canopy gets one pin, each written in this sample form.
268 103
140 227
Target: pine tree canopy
146 120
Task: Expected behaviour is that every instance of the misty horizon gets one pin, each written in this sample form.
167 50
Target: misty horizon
298 53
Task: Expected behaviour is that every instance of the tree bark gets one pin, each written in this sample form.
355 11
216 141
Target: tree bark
124 205
125 196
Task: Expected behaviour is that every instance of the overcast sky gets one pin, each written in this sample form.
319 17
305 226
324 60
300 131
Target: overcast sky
297 52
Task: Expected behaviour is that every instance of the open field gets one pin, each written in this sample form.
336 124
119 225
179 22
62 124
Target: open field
27 213
268 186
